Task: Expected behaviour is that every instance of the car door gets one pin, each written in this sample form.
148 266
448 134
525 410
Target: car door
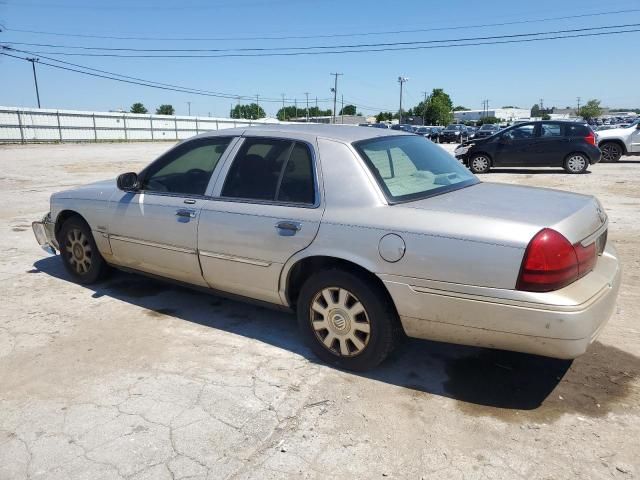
634 144
552 145
514 147
265 207
155 228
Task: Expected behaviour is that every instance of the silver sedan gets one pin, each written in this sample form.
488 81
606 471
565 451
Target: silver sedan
366 233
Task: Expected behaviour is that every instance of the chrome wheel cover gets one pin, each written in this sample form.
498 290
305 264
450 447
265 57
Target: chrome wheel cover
480 164
576 163
610 152
340 322
78 250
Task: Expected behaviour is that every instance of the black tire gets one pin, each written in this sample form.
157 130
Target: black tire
611 151
378 313
479 163
80 255
576 163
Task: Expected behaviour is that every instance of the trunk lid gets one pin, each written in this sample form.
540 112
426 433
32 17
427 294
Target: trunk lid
513 214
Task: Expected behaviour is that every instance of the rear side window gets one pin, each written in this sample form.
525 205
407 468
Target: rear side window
576 130
550 130
271 170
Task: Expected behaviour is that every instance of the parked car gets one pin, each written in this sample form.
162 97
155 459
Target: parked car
379 125
454 133
487 130
428 132
616 142
570 145
364 233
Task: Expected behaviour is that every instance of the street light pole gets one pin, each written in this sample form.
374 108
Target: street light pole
307 95
335 94
424 109
401 81
284 114
35 77
189 106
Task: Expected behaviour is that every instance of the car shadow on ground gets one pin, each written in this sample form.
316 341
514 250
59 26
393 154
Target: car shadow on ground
534 171
484 381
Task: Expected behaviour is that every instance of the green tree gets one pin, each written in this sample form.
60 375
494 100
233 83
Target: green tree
290 112
165 109
535 111
348 110
384 117
490 120
591 110
460 108
138 108
251 111
546 116
437 110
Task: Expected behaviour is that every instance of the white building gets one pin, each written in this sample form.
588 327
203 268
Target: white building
506 114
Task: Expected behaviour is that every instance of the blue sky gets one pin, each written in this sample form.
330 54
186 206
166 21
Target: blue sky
520 74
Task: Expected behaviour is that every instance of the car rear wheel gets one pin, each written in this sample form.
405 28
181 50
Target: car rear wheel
576 163
346 319
79 252
479 164
611 152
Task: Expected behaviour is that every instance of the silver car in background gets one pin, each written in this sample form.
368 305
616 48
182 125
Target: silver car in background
366 233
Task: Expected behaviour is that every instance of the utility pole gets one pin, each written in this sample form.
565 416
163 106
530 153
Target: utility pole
189 105
35 77
307 95
335 94
342 110
541 105
284 114
424 109
578 110
295 103
401 81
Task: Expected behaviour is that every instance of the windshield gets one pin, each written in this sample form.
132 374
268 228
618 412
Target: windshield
409 168
453 127
488 127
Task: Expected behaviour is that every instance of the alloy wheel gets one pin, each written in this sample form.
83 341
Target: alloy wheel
79 252
611 152
340 322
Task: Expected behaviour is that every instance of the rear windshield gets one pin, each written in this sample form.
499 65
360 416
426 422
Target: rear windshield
410 167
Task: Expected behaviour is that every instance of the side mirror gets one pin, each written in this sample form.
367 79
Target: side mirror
128 182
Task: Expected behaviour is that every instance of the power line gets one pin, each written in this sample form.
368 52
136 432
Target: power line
321 47
366 50
331 35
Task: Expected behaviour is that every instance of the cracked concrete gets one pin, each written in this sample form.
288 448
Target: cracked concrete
138 379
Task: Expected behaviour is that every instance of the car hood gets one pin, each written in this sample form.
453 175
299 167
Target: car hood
507 214
93 191
613 132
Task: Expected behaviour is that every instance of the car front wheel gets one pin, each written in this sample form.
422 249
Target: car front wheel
479 164
611 152
79 252
576 163
346 319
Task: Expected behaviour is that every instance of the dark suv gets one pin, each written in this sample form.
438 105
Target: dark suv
569 145
454 133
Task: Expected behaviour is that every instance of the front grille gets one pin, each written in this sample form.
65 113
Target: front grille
601 242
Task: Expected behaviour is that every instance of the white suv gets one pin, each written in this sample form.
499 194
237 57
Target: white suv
619 141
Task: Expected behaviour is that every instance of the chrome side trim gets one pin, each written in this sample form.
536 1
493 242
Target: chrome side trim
152 244
232 258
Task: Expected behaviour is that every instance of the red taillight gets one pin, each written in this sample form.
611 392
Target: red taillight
591 138
551 262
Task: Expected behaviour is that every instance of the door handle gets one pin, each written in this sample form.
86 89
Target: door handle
288 228
184 212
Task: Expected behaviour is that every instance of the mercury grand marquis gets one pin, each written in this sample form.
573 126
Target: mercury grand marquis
368 234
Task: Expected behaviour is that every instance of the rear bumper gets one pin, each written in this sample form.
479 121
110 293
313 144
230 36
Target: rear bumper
563 326
44 232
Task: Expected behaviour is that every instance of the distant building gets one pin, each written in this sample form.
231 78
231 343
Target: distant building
506 114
